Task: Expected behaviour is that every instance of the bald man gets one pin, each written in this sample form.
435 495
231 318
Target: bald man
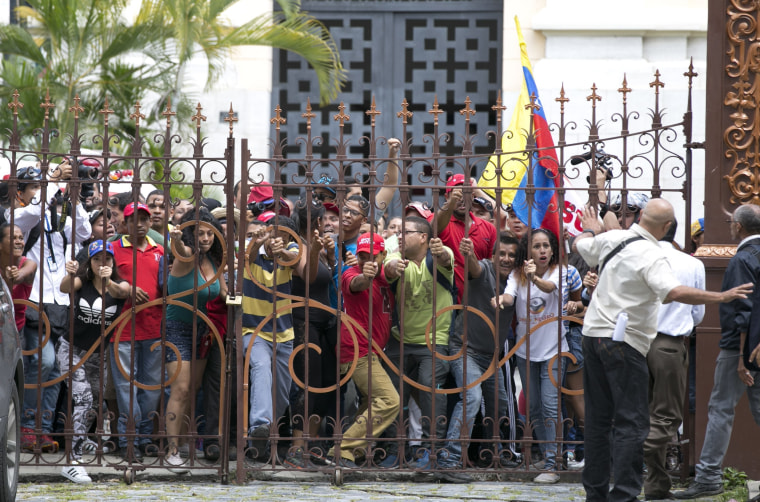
634 279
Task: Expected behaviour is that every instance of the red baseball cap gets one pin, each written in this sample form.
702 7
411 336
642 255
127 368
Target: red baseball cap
329 206
365 240
456 180
419 208
130 209
261 193
266 216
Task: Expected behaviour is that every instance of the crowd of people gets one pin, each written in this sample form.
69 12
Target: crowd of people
445 297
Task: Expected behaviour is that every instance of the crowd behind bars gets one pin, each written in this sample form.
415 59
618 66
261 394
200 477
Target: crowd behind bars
401 282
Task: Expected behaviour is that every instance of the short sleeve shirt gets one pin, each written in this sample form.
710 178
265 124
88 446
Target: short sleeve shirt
145 270
540 307
483 236
418 302
635 281
356 305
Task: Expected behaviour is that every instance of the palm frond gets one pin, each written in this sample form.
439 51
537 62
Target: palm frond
303 35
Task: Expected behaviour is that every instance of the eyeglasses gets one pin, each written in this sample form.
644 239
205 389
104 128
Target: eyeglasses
414 232
352 212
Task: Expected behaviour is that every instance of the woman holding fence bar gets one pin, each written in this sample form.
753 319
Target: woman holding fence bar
322 333
99 295
17 270
533 287
198 254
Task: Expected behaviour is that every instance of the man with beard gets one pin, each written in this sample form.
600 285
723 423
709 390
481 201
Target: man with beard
453 220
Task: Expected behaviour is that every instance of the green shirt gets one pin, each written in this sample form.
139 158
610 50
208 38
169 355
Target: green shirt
417 298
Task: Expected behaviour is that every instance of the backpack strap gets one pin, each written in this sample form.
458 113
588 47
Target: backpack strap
615 251
440 278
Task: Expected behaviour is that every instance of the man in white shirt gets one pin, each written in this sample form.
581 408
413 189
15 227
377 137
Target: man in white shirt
668 363
48 250
633 281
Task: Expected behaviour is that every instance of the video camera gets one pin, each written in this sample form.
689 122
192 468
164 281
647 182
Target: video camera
603 160
87 169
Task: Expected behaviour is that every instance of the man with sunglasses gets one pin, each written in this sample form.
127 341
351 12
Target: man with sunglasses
323 191
46 234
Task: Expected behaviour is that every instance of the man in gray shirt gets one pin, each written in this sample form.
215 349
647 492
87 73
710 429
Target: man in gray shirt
478 346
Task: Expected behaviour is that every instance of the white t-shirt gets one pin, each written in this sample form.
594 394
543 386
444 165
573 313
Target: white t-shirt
543 306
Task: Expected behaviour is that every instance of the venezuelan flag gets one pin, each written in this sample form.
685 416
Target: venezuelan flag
544 211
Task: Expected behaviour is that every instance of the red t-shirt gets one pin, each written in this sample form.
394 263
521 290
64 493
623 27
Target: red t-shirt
21 291
483 236
356 305
148 321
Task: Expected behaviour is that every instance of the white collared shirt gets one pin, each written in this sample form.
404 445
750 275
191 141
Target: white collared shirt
28 217
635 281
679 319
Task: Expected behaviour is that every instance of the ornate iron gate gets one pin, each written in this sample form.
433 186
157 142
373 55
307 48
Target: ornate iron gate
635 169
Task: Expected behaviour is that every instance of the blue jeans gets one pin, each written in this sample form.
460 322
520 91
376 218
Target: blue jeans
543 399
477 365
146 371
45 369
264 407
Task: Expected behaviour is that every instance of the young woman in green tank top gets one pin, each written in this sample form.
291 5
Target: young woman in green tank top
198 255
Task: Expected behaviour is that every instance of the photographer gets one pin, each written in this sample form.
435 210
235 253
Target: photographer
46 234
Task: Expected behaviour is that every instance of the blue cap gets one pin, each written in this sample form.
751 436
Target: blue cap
697 227
325 181
97 247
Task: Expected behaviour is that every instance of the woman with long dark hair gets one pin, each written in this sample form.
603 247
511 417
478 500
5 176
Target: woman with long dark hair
99 295
533 287
196 261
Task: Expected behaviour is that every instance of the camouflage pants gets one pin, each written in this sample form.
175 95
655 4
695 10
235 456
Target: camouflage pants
85 387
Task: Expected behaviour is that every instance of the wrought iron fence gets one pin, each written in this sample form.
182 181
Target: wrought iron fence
200 394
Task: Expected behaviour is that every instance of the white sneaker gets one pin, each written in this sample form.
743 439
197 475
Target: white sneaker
576 465
547 478
175 464
76 473
90 447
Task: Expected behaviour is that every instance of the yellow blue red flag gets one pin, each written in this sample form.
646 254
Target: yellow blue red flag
544 211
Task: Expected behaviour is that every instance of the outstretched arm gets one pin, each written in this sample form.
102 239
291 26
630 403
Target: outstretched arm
694 296
384 196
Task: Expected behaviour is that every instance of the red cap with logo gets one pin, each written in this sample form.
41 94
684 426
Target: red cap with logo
456 180
365 241
419 208
130 209
261 193
266 216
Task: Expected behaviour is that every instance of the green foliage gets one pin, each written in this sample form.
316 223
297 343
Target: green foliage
734 478
87 48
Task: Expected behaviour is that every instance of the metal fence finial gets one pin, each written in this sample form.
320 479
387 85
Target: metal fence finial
168 113
231 119
47 105
15 104
137 115
198 117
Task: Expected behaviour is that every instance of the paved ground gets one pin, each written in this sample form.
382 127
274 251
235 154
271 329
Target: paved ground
41 483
